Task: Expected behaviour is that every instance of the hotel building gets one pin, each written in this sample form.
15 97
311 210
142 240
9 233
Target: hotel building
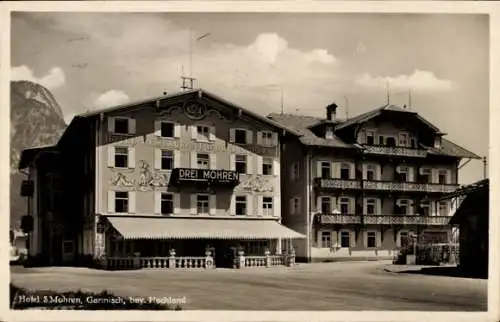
178 174
359 188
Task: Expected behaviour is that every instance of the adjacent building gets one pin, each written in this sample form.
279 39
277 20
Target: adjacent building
185 172
358 188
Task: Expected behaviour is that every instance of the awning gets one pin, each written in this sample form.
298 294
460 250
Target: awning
197 228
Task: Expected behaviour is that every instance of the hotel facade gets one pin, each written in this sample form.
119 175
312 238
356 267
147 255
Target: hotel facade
361 188
188 175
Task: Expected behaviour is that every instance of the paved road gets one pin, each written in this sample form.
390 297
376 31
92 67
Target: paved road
328 286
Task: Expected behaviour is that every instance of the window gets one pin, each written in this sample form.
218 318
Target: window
267 206
443 208
167 204
241 163
326 205
326 170
202 204
345 239
371 206
370 172
202 132
345 170
267 166
426 176
403 139
442 176
437 143
203 161
240 136
167 160
241 205
403 174
404 239
370 137
121 157
390 141
425 208
403 207
371 239
344 206
121 201
167 130
326 241
329 134
266 138
121 126
413 143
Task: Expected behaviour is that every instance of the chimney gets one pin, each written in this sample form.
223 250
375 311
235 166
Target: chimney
331 112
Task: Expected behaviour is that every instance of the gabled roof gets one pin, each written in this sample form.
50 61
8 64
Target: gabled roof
27 155
476 201
378 111
302 125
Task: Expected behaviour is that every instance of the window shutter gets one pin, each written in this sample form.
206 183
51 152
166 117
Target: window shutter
177 159
131 157
111 156
379 239
193 164
411 173
194 208
365 239
364 168
378 169
194 132
177 130
333 203
277 206
258 163
232 207
158 128
365 206
212 202
276 167
379 206
260 205
131 202
157 162
111 202
232 162
435 174
111 124
250 164
157 202
249 137
352 174
213 161
351 206
275 139
250 205
318 239
212 133
448 176
292 208
232 135
259 138
336 170
177 203
352 239
398 239
132 127
318 169
334 238
318 204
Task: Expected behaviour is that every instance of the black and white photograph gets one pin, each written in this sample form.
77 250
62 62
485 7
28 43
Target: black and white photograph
170 160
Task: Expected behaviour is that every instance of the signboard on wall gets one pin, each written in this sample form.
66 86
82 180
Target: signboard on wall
205 176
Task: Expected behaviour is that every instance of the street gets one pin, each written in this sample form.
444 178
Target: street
325 286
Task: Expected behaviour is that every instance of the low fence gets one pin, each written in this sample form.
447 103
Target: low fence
428 254
190 262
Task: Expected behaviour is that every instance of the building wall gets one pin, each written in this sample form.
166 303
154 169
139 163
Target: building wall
143 167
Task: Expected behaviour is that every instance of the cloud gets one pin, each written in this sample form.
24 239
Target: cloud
360 48
54 78
420 80
110 98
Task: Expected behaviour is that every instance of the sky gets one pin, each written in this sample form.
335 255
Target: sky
94 60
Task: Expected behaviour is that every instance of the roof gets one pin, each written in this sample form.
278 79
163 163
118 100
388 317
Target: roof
197 228
27 155
302 124
476 201
200 92
468 189
376 112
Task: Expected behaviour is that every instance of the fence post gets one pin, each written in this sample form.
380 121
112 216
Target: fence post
209 262
267 252
171 259
137 261
291 257
241 259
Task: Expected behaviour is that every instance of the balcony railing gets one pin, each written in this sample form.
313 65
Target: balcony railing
385 219
409 186
395 151
354 184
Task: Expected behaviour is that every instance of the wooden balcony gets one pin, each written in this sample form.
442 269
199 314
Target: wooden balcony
385 219
395 151
409 186
343 184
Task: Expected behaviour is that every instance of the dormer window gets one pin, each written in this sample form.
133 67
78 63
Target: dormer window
370 137
329 133
403 139
437 143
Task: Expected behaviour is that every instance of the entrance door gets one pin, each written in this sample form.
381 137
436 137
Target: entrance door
68 251
223 254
